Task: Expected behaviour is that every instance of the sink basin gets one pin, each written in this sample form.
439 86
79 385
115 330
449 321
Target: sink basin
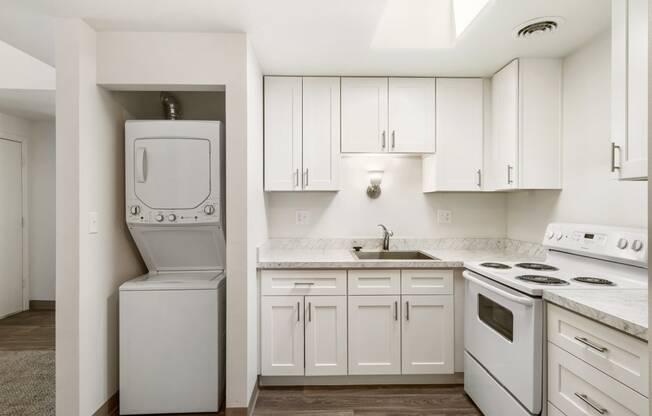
392 255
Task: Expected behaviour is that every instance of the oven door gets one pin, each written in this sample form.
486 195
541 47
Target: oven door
503 331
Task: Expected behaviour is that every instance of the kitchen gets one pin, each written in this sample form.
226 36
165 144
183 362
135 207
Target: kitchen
398 208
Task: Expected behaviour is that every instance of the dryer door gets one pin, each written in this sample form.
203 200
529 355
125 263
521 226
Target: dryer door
172 173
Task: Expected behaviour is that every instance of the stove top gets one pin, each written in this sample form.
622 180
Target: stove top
537 266
492 265
594 281
542 280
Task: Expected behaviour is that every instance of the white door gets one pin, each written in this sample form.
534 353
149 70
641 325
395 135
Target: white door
282 133
172 173
629 88
374 335
364 115
460 126
11 233
412 115
326 344
428 337
281 322
321 133
504 107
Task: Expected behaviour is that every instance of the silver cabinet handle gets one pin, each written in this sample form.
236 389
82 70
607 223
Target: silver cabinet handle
296 178
393 139
306 181
298 311
595 405
395 310
590 344
479 178
509 174
384 139
407 310
309 311
614 147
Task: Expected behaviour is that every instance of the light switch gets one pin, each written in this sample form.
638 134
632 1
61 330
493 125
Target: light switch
444 216
302 217
92 222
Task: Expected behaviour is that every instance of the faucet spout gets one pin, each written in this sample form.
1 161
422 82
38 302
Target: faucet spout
386 235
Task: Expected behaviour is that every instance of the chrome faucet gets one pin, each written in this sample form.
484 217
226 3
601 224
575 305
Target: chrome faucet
386 235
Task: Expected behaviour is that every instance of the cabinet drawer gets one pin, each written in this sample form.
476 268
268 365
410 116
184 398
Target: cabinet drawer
577 389
374 282
621 356
427 282
303 282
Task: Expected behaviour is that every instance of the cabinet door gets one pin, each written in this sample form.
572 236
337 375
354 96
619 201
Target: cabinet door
412 115
281 322
364 115
629 88
282 133
321 133
460 125
374 335
504 105
428 338
326 335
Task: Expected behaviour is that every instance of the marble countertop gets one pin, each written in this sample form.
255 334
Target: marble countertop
623 309
344 259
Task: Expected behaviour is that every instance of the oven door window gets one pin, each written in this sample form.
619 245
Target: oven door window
499 318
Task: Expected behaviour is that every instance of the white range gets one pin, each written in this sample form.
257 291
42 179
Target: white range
504 313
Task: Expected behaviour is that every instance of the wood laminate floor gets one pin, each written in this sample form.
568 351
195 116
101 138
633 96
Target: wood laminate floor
29 330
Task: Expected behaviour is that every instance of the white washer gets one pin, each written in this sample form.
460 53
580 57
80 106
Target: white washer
172 320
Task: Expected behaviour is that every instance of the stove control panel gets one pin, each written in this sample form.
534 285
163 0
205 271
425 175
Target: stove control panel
625 245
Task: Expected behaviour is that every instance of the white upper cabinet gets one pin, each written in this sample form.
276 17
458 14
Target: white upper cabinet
302 134
388 115
321 133
526 125
458 164
364 115
411 115
629 89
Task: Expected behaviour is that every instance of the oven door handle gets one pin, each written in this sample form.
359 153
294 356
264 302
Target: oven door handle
518 299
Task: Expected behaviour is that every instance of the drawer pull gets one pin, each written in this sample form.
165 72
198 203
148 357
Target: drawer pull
590 344
596 406
304 283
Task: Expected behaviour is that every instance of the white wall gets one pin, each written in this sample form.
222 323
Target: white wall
90 267
41 197
401 206
25 71
588 195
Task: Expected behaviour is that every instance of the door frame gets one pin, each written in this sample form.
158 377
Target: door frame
24 145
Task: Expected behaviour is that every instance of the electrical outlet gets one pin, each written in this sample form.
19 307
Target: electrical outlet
92 223
444 216
302 217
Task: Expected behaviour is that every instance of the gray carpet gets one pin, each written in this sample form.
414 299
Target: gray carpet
27 383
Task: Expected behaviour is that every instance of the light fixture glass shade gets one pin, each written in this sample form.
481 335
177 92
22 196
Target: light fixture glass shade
375 177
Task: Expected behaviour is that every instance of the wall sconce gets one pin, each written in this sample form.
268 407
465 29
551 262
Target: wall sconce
375 178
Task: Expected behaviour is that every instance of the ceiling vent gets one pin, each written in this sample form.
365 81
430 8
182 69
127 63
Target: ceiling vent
537 27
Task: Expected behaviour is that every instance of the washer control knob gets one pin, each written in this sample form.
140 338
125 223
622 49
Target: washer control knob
159 217
172 217
209 209
622 243
134 209
550 235
637 245
559 235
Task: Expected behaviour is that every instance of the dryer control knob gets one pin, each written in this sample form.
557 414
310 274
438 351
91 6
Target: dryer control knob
172 217
134 209
637 245
559 235
209 210
622 243
159 217
550 235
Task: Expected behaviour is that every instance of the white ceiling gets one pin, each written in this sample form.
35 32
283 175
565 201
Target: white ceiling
29 104
319 37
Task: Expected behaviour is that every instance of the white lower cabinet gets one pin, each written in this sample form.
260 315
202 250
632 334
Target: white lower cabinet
325 335
374 335
427 334
282 335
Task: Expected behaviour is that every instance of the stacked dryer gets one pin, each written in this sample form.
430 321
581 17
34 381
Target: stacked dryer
172 320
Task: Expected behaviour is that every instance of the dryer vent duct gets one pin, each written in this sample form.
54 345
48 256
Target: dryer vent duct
171 106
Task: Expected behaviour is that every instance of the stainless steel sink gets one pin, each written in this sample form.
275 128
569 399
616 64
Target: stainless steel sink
393 255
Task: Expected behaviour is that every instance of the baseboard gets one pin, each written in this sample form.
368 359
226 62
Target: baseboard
265 381
41 305
110 407
245 411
